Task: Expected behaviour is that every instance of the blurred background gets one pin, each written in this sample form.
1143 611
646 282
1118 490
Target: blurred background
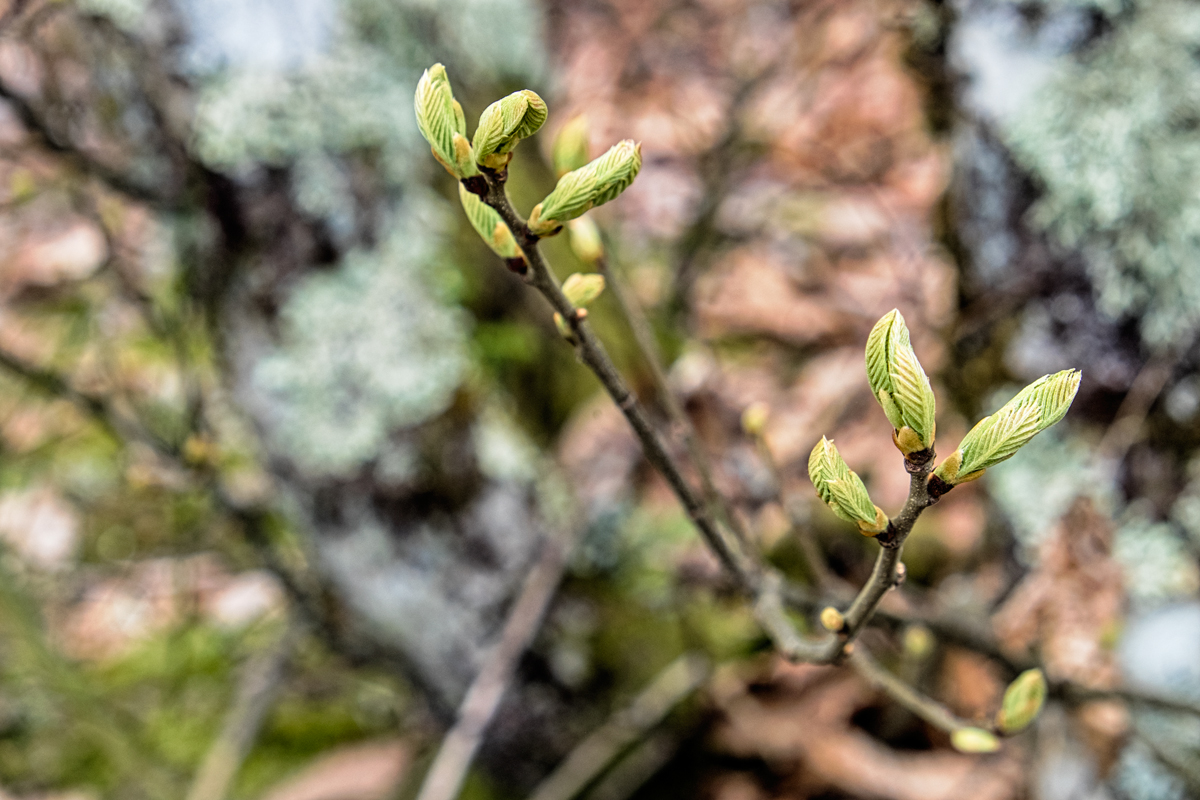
281 440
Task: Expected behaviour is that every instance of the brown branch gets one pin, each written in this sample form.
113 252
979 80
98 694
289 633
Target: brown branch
924 707
591 757
457 751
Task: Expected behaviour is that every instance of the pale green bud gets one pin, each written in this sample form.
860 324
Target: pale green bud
591 185
487 223
974 740
997 437
440 120
900 384
842 490
832 619
581 290
571 145
503 124
754 418
585 240
1023 701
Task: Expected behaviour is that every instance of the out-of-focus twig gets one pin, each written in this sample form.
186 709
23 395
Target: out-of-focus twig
602 747
458 748
924 707
261 679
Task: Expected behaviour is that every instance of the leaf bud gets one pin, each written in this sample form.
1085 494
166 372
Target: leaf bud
842 490
503 124
832 619
974 740
585 240
900 385
487 223
581 290
998 437
754 418
571 145
441 121
591 185
1023 701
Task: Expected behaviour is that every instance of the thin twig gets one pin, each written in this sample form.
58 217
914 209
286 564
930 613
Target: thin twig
261 680
924 707
457 751
622 730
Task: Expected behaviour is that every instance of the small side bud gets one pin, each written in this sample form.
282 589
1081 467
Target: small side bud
998 437
571 145
832 619
1023 701
592 185
842 490
582 290
563 327
503 124
754 419
487 223
974 740
440 120
585 240
900 384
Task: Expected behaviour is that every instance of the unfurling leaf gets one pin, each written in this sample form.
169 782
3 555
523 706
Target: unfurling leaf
571 145
842 490
974 740
581 290
503 124
585 240
997 437
591 185
441 121
1023 701
900 385
487 223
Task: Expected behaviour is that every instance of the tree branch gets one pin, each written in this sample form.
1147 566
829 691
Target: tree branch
457 751
926 708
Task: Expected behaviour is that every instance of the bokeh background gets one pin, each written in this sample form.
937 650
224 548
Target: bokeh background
280 439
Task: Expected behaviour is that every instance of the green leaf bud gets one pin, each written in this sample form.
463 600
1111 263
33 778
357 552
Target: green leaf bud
832 619
974 740
997 437
440 120
900 384
585 240
571 145
503 124
487 223
581 290
1023 701
842 490
591 185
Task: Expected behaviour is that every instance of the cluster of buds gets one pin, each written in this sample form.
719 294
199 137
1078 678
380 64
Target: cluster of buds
582 185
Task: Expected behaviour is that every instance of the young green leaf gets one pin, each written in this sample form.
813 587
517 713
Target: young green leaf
591 185
585 240
503 124
900 385
997 437
842 490
571 145
441 121
487 223
1023 701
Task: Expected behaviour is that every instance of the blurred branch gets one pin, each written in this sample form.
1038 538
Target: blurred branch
257 690
622 730
926 708
444 779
